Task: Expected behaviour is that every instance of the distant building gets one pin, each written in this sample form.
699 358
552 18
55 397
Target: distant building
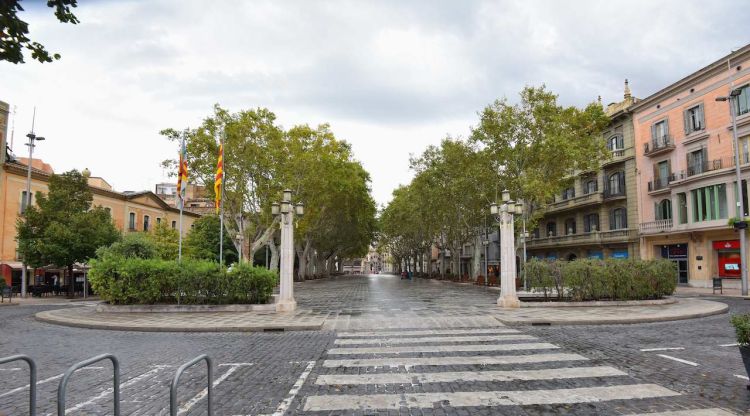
195 199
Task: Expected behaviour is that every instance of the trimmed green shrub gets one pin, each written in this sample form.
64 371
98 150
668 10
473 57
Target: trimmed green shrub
132 245
611 279
741 325
125 281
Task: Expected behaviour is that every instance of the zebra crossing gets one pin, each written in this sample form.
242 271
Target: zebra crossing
465 368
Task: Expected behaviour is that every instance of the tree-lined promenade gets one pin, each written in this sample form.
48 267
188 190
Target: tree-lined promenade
531 148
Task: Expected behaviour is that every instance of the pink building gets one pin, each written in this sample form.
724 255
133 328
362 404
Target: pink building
685 170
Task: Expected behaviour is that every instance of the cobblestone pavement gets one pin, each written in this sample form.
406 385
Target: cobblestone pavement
392 347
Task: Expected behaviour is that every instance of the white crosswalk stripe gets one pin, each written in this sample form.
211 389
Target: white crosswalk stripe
393 364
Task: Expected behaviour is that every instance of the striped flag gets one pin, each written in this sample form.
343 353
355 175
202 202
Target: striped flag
219 177
182 176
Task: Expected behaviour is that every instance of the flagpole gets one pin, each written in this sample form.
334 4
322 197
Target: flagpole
180 197
221 201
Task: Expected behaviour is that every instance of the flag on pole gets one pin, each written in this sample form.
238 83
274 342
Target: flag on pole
182 176
219 177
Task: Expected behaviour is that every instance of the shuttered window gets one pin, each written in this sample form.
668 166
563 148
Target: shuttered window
743 101
693 119
618 219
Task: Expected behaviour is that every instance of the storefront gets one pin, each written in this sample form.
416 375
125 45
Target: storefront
678 253
729 260
619 254
596 254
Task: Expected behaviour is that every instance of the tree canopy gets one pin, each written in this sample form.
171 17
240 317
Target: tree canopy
63 228
14 36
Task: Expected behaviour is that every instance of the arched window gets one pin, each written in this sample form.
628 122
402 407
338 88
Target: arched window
618 219
664 209
570 226
616 183
551 229
590 223
590 186
615 142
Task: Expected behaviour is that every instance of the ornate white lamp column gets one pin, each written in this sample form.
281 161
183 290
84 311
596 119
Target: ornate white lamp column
504 216
287 212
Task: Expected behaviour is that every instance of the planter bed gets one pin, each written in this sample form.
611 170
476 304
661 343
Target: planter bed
536 302
173 308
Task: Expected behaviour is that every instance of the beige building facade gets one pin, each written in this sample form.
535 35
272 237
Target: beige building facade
686 171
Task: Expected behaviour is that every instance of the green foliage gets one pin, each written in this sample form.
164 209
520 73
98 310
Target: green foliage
132 245
203 241
611 279
166 241
63 228
741 325
537 144
125 281
14 35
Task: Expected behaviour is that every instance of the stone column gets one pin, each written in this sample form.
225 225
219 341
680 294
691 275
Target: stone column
508 297
286 300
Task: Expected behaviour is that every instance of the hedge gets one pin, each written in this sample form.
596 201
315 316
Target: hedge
611 279
125 281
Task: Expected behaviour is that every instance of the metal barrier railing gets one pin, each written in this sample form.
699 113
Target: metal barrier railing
32 378
64 381
173 390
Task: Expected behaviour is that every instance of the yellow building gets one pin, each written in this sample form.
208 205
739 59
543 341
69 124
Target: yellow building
131 211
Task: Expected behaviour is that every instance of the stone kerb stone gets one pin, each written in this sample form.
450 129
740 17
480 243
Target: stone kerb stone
270 307
596 303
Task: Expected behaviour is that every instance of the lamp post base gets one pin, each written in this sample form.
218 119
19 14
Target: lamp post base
286 305
509 302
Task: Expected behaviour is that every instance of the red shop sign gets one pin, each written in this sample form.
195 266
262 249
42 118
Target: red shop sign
726 244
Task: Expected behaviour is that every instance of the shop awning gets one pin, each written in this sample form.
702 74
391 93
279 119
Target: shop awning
14 264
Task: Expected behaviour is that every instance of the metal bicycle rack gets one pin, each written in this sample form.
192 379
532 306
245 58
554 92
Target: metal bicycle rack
173 389
64 381
32 378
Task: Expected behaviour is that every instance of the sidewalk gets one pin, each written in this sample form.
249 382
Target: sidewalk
705 291
49 300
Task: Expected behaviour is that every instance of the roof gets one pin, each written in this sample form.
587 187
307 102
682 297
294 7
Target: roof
708 71
21 170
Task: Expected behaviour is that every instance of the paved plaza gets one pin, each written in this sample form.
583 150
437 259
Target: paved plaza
391 346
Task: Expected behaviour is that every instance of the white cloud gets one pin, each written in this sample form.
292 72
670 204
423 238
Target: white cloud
390 77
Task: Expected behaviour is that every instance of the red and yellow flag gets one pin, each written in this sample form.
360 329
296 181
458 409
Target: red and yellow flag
182 176
219 177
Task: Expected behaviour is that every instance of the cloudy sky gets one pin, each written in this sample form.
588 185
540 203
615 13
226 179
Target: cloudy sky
391 77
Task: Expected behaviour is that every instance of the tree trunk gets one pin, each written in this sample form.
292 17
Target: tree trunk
261 241
71 282
274 255
302 254
477 258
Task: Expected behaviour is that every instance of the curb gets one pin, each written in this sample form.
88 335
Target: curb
9 304
550 322
40 316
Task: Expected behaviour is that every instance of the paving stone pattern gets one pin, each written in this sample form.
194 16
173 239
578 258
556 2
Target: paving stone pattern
573 370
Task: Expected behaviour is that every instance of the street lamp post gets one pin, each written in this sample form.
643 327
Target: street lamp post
732 99
504 216
287 211
27 200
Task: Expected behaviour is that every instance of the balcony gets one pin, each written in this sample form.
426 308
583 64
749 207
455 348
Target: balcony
658 146
594 237
576 202
658 226
614 194
661 184
709 166
618 155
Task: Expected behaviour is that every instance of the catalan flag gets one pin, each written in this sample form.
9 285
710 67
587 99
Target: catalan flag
219 177
182 176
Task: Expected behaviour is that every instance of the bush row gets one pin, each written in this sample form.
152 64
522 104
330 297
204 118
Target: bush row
611 279
132 280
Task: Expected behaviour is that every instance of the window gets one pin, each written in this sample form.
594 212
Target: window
709 203
682 208
570 226
743 101
744 143
615 142
146 222
616 183
131 221
590 186
551 229
109 210
174 224
158 220
590 223
663 209
535 233
618 219
569 193
659 133
697 161
693 118
24 201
